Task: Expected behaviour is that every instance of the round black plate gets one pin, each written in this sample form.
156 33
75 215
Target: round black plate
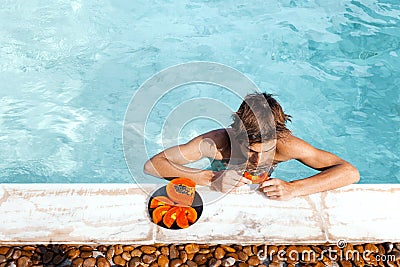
197 205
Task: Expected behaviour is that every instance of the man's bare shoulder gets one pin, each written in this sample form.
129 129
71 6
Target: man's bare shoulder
288 146
288 139
211 144
219 137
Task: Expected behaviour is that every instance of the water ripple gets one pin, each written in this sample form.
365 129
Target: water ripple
69 68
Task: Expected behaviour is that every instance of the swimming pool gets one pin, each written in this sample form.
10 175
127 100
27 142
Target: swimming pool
70 68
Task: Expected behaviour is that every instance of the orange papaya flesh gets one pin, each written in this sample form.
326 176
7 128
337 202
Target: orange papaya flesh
181 191
170 216
256 179
264 177
181 219
248 175
160 201
190 213
159 213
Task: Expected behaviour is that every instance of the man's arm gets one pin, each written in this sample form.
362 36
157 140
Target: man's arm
169 163
335 172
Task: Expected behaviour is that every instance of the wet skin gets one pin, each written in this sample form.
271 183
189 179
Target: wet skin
220 144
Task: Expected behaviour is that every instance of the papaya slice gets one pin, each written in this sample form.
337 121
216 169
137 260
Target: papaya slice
256 179
190 213
170 216
181 219
263 177
159 213
248 175
181 191
160 201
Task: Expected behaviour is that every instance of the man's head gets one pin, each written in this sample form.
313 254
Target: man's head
257 123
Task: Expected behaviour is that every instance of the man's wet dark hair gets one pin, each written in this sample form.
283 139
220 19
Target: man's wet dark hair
260 118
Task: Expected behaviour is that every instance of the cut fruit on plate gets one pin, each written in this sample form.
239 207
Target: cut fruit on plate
169 206
170 216
181 191
161 201
159 212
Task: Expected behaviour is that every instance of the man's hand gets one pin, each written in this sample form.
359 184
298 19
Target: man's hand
226 181
278 189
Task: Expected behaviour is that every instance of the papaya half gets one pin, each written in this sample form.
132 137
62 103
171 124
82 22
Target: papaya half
181 191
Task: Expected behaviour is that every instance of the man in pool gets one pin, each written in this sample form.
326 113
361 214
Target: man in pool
256 142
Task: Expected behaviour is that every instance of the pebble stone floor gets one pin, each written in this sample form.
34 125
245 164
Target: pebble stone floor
193 255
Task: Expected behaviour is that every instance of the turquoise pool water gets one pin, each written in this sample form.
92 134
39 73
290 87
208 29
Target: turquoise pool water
68 70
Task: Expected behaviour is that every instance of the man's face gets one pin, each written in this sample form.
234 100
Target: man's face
259 154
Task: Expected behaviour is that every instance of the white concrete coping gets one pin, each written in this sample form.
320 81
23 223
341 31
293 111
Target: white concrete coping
117 213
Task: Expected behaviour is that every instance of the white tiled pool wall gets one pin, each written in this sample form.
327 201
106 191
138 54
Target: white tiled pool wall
117 213
104 225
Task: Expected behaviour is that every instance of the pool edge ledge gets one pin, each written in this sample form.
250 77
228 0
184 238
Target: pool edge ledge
116 213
